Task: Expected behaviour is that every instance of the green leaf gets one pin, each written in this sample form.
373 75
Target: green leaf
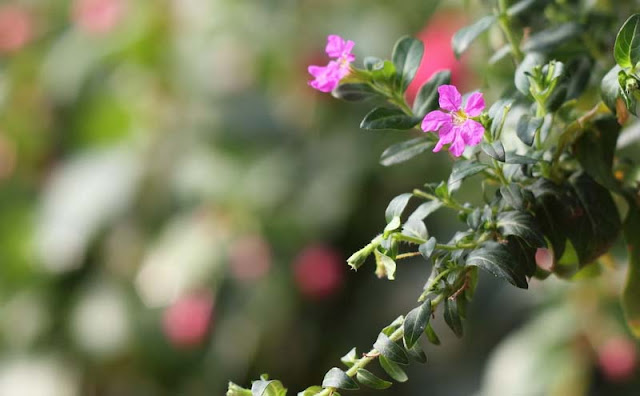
427 248
494 150
393 225
610 88
367 378
428 97
391 350
268 388
527 127
388 118
311 391
465 36
452 318
350 358
498 260
521 80
393 326
415 323
522 6
371 62
235 390
393 369
396 206
631 291
581 70
521 224
385 266
337 378
416 229
548 39
406 150
512 195
424 210
497 113
626 50
417 354
354 92
512 158
431 335
464 169
406 57
595 150
524 254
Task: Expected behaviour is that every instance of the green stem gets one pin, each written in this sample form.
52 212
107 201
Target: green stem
448 202
505 25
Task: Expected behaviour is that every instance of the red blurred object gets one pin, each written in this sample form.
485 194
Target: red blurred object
186 322
16 28
438 55
97 16
249 258
617 358
544 259
319 271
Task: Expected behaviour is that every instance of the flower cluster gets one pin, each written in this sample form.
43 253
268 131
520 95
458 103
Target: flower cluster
456 126
328 77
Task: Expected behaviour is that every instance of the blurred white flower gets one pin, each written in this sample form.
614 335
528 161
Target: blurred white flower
37 376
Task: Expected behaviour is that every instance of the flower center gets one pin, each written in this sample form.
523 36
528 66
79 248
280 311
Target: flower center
459 117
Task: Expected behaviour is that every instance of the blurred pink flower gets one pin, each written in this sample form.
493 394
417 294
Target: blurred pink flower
249 258
455 126
544 259
16 27
318 271
328 77
617 358
186 322
97 16
438 55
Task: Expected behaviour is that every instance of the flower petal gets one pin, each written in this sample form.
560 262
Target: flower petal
447 133
327 78
457 147
335 45
475 104
472 132
450 99
435 120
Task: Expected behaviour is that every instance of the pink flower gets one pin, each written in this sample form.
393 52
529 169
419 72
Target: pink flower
318 271
16 28
328 77
618 358
97 16
544 259
455 126
187 321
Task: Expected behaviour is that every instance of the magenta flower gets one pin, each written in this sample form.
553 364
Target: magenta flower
328 77
456 126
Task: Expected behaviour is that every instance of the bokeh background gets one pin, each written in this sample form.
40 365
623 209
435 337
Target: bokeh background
176 207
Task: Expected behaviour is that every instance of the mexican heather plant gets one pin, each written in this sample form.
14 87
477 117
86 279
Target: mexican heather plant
564 199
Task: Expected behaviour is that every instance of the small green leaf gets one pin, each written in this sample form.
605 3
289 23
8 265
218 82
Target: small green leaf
236 390
595 151
268 388
391 350
396 206
404 151
512 158
523 225
416 353
393 225
581 71
452 317
494 150
497 113
393 326
388 118
431 335
499 261
416 229
406 57
367 378
385 266
350 358
415 322
424 210
393 369
465 36
521 80
311 391
626 50
427 248
354 92
513 196
527 127
337 378
548 39
464 169
427 97
522 6
610 88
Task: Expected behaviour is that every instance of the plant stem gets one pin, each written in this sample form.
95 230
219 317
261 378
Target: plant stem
407 255
505 25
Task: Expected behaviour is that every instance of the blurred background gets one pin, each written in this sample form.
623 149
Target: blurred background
177 204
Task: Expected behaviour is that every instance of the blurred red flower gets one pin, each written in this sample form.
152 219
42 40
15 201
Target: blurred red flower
186 322
617 358
16 27
97 16
319 271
